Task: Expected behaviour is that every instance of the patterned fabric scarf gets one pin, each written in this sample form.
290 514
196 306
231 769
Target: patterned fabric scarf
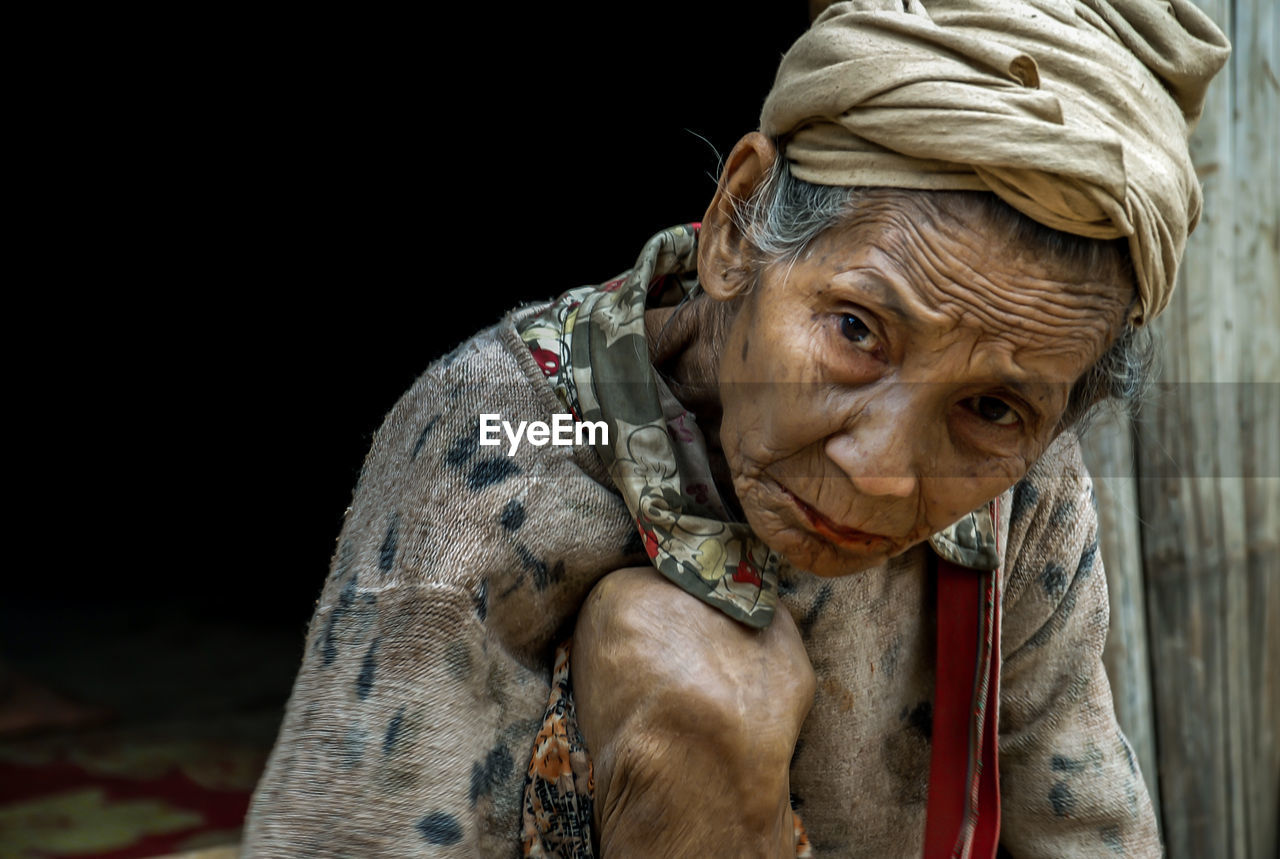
591 345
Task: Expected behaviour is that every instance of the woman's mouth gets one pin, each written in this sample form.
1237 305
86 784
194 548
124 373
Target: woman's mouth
835 532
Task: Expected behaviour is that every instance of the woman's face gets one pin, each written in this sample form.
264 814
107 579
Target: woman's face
905 370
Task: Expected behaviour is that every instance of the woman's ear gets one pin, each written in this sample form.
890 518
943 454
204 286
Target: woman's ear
724 253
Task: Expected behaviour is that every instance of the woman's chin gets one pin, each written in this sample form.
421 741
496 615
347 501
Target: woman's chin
778 519
808 551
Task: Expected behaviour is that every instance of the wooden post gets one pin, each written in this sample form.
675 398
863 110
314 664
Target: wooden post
1256 177
1210 484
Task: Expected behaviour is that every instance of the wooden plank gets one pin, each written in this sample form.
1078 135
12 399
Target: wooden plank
1193 541
1108 451
1256 175
1210 488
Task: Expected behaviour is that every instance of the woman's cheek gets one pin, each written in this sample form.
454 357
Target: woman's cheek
950 498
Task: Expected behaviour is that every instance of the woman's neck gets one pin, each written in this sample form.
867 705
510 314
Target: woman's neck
684 347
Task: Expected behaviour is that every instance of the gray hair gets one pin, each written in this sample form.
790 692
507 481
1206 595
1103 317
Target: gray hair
785 214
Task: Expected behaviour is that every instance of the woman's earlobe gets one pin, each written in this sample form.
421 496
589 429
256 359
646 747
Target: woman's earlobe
723 266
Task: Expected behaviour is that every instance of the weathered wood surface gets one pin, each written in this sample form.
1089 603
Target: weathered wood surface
1209 487
1256 174
1108 452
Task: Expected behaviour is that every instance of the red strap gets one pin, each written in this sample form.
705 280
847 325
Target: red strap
965 600
986 837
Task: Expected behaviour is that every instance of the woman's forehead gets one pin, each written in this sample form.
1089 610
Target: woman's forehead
960 254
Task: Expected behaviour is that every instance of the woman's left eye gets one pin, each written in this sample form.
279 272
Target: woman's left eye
855 330
993 410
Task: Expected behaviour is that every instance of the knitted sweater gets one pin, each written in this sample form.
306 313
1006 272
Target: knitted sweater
459 568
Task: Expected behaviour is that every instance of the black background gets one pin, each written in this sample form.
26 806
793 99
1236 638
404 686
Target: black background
256 233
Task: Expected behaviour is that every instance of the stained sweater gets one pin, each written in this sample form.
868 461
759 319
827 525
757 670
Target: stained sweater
459 568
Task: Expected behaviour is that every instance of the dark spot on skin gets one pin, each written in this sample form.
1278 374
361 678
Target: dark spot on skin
422 437
387 551
491 472
1025 497
481 600
1062 513
364 682
1054 580
919 718
393 732
464 447
512 515
1110 835
440 828
1062 799
1064 764
490 774
346 598
1087 558
811 616
785 585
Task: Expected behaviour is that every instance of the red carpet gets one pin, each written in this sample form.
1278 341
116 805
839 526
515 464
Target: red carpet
122 797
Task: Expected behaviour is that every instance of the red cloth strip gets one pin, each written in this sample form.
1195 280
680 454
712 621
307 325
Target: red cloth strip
987 834
962 751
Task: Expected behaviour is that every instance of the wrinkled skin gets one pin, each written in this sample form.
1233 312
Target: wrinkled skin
907 368
691 756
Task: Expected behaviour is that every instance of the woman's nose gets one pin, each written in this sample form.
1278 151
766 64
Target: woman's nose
877 459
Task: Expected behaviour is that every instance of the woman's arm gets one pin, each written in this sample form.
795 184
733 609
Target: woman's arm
1070 784
426 669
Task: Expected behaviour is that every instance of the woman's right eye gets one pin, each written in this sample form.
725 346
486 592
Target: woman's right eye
855 330
994 410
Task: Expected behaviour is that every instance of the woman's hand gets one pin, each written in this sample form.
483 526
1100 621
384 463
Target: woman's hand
691 719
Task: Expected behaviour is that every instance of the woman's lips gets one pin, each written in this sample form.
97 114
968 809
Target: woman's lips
834 532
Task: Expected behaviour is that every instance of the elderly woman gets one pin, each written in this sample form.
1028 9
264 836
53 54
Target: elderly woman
830 567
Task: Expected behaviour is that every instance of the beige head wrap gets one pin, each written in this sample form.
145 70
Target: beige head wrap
1075 112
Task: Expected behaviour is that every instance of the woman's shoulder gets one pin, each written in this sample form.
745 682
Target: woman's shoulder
439 505
1053 497
1052 564
437 421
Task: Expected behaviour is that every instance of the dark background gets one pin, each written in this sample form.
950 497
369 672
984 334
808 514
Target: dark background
260 232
